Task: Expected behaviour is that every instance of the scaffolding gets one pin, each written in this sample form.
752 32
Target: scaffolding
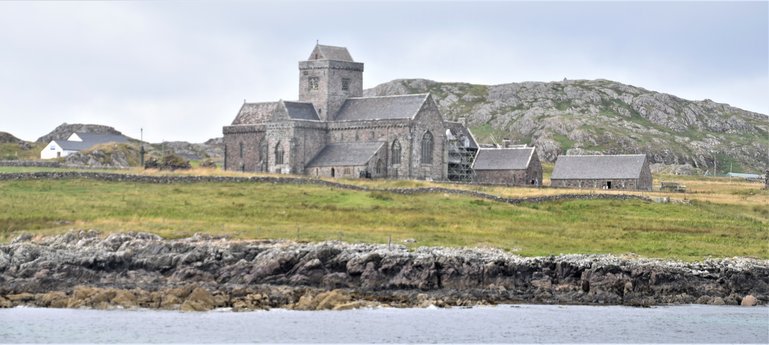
461 156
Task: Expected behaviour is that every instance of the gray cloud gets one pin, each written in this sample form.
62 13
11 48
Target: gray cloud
181 69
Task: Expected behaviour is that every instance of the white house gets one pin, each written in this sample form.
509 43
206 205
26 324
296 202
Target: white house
78 142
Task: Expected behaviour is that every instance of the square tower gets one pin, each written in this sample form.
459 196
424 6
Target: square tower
328 78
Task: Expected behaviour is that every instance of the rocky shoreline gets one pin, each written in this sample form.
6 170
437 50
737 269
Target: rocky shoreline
139 270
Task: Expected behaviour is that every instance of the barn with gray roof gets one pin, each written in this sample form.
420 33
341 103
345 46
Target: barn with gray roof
626 172
517 166
333 131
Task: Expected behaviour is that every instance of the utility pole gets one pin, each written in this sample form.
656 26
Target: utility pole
141 149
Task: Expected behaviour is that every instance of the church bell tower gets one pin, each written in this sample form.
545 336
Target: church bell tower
328 78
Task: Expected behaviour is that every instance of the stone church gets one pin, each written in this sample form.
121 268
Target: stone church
333 131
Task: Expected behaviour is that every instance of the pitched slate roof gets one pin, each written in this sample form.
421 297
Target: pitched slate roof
253 113
503 159
346 154
90 140
459 131
381 108
301 111
322 52
598 167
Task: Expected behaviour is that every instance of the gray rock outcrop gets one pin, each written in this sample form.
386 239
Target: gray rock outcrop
198 273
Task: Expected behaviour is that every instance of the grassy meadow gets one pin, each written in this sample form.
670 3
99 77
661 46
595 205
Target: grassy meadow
717 218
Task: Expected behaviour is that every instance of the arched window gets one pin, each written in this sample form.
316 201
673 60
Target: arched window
427 148
380 169
263 156
279 153
396 152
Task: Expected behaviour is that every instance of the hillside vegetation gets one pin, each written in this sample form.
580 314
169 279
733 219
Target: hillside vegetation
689 230
602 116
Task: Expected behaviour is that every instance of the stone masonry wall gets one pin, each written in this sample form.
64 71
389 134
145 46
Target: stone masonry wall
504 177
620 184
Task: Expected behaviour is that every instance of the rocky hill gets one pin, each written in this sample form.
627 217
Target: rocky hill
65 130
8 138
212 148
126 155
602 116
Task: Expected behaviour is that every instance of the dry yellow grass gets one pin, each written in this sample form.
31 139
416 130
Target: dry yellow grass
710 189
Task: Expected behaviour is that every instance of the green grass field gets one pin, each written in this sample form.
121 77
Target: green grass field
313 213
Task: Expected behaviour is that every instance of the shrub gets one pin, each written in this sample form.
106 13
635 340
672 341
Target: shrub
168 162
207 163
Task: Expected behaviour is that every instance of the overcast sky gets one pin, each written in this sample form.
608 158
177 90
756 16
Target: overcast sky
181 69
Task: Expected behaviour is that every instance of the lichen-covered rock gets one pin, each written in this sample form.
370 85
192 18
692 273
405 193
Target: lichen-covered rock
199 300
749 301
86 269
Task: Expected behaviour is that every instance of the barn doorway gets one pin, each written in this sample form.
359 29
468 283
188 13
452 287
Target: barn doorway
608 184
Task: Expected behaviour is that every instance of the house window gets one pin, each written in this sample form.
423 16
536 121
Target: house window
396 152
53 148
347 171
313 83
427 148
279 154
345 84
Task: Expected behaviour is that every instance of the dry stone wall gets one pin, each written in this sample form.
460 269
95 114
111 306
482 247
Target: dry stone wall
168 179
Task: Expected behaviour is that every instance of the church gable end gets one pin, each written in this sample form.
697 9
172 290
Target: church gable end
254 113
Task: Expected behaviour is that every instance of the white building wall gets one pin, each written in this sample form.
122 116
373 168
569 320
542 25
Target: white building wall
53 150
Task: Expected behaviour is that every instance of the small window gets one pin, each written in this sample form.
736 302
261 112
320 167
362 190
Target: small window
347 171
313 82
345 84
241 150
53 148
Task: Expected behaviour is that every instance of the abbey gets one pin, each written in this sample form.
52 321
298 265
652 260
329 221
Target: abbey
333 131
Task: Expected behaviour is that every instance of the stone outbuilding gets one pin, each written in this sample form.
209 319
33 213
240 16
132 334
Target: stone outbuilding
626 172
517 166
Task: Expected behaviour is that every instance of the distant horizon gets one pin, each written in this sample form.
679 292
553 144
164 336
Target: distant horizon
181 70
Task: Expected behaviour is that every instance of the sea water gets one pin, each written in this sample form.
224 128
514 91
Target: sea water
498 324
